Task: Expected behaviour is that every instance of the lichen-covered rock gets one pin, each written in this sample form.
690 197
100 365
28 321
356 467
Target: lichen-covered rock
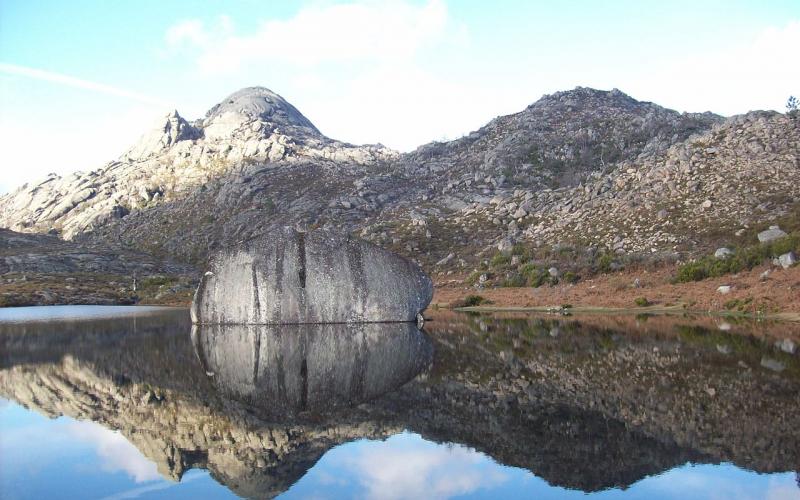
773 233
317 277
285 369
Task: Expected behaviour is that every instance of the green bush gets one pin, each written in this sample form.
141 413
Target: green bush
473 277
743 259
515 280
500 259
471 301
604 262
570 277
520 249
641 302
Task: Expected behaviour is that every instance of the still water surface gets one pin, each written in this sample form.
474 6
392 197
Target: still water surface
134 403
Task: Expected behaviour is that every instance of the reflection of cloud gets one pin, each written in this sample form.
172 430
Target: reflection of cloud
781 491
406 467
137 492
723 481
115 451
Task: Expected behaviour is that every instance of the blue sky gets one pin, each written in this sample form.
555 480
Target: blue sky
80 80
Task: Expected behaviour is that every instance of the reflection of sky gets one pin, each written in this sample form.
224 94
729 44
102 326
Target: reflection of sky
65 458
407 466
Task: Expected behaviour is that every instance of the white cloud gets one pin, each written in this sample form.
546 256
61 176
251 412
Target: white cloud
759 73
115 452
405 466
355 32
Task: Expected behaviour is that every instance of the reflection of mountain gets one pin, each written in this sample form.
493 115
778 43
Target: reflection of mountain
291 368
580 406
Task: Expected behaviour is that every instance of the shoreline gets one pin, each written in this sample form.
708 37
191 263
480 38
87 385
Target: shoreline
636 291
616 311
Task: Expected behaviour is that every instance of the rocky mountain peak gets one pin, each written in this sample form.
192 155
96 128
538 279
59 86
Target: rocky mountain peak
166 131
255 104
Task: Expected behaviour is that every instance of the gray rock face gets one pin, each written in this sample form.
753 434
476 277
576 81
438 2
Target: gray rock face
773 233
259 103
289 369
723 253
291 277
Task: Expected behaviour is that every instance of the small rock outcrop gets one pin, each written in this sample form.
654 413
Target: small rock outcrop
773 233
723 253
787 260
289 277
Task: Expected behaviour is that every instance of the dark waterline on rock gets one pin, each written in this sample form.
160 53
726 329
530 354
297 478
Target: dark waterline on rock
477 405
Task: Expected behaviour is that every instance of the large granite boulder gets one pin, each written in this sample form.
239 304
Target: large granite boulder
317 277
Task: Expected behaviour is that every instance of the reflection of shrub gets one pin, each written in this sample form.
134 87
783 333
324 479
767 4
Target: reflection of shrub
641 302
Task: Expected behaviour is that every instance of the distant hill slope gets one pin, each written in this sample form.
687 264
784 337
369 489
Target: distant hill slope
39 269
581 169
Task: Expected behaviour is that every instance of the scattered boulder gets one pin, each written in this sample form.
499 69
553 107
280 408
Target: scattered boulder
289 277
772 364
553 272
773 233
724 289
446 260
505 246
786 345
787 260
723 253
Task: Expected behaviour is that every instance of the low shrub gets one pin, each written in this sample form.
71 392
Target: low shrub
743 259
500 259
515 280
471 301
570 277
641 302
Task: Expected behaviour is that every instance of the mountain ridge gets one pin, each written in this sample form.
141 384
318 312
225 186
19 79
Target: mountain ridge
578 169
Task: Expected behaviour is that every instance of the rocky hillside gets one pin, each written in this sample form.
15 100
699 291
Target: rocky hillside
44 269
583 170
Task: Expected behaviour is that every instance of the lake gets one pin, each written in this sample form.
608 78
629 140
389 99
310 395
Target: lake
133 402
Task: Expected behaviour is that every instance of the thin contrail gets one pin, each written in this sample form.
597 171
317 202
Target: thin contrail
49 76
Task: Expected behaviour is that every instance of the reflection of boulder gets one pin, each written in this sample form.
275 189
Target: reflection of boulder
317 277
290 368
